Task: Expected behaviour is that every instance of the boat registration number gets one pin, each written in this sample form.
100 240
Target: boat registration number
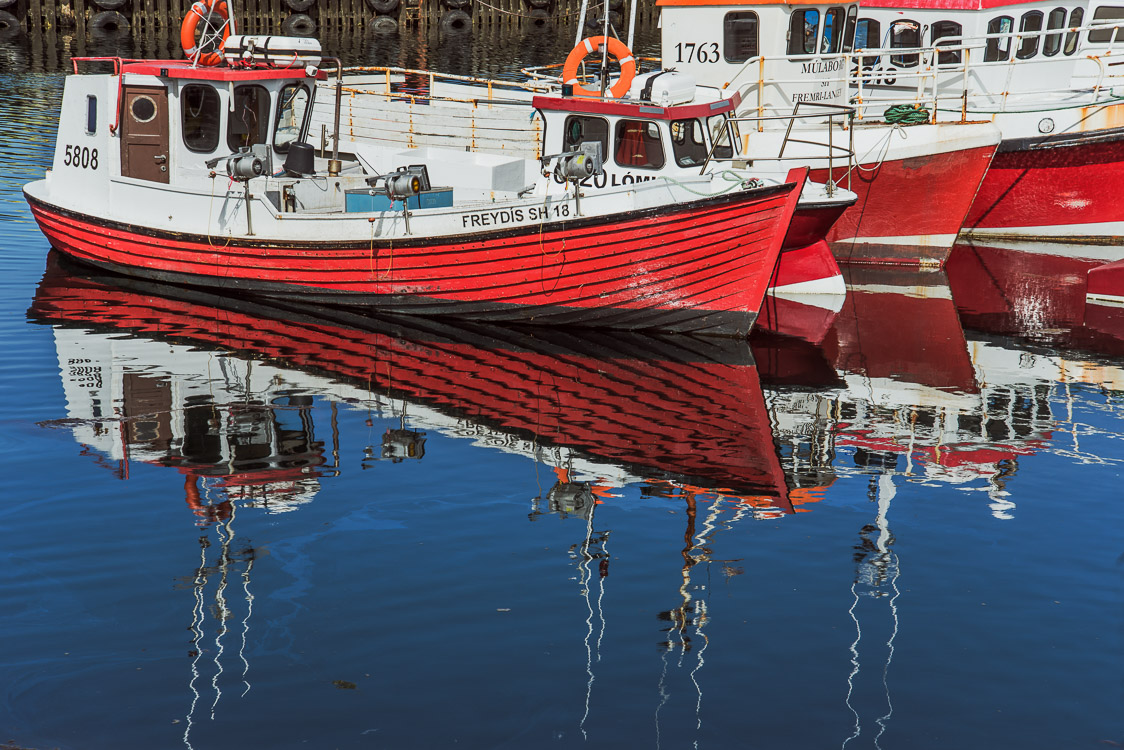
81 157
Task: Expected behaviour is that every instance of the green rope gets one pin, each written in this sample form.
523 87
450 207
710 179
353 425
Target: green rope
906 114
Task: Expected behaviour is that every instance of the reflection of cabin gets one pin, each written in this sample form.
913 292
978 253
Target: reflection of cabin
236 430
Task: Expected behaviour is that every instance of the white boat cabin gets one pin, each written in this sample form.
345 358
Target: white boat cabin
775 53
227 132
1007 47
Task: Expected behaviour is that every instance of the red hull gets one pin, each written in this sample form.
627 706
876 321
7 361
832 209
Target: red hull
701 267
690 410
1059 182
916 204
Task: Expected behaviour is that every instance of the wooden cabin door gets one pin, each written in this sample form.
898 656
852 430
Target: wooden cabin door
144 133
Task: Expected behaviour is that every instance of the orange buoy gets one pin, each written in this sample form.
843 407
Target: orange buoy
198 11
617 49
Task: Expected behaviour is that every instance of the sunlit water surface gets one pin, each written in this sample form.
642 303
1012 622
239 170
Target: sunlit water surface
229 525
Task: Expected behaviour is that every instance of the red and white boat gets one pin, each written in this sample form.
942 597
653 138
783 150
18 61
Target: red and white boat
914 184
1044 73
202 176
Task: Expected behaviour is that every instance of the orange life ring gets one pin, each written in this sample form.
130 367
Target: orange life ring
196 13
617 49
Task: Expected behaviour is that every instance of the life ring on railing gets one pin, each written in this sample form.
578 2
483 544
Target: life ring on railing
199 11
617 49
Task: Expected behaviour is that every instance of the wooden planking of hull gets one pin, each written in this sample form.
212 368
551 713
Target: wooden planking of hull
699 267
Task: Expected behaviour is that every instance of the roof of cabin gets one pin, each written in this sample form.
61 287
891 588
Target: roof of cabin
748 3
629 108
184 69
947 4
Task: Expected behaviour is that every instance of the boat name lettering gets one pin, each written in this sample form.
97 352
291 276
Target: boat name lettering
608 180
514 215
80 156
821 66
815 96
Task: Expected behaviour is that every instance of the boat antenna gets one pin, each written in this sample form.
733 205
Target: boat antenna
632 23
605 48
581 22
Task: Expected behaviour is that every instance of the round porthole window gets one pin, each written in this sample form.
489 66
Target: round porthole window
143 109
1045 125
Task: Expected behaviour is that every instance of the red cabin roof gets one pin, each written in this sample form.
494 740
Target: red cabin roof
629 108
944 4
184 69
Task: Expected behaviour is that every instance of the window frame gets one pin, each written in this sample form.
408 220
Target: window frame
728 27
1028 47
262 129
998 49
913 59
183 92
952 57
798 41
1072 38
648 124
303 129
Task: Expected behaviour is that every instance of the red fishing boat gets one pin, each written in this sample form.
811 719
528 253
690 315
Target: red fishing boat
202 176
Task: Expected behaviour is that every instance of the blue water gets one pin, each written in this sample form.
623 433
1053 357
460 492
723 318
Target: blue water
229 527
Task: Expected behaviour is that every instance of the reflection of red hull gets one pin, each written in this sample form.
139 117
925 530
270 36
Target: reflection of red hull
678 407
903 326
1061 188
1041 296
701 267
917 203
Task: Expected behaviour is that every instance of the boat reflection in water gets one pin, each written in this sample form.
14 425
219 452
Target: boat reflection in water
226 392
913 400
224 388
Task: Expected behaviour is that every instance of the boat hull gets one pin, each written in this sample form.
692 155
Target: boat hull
699 267
909 210
1053 188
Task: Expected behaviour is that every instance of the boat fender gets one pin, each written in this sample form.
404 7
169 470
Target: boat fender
201 11
617 49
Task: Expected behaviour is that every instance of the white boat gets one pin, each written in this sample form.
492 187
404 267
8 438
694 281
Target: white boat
633 218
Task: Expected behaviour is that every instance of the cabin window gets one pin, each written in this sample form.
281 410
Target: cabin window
638 144
720 134
849 34
802 31
832 31
1031 23
739 36
579 130
868 35
249 118
1076 18
1110 16
202 115
1052 43
905 35
292 107
91 114
950 32
688 142
999 48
